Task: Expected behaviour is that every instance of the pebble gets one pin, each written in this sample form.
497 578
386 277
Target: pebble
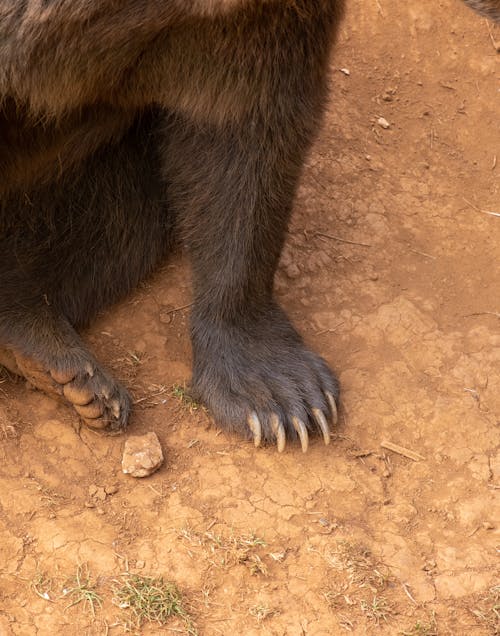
166 316
383 123
97 492
292 271
142 455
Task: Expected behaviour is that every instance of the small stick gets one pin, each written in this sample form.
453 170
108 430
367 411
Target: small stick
496 46
148 397
484 313
331 330
171 311
422 254
401 450
360 454
479 209
341 240
408 594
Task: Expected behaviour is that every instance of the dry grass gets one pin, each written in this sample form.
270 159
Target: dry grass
42 585
182 394
8 423
487 610
357 581
152 396
225 551
377 609
145 598
261 612
358 565
422 628
151 599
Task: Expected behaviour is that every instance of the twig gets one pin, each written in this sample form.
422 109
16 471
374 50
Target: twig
496 46
408 594
483 313
401 450
480 210
148 397
171 311
341 240
331 330
360 453
422 254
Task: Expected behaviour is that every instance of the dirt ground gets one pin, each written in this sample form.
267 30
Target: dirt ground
391 272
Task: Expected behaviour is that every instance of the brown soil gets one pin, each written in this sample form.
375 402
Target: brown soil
405 307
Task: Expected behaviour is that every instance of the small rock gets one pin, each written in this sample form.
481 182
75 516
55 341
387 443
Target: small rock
292 271
166 316
383 123
388 95
111 489
97 492
429 566
140 565
100 494
346 71
142 455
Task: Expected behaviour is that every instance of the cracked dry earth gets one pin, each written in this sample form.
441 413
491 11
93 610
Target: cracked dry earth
346 538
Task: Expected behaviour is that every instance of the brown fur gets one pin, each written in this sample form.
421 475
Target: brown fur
124 121
125 124
488 8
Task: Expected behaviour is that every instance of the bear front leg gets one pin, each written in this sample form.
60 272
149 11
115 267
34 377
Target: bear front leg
233 191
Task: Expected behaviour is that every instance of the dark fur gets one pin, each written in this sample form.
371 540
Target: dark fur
122 122
488 8
126 123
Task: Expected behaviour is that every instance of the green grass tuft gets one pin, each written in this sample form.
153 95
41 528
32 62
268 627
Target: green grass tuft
82 590
181 393
151 599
